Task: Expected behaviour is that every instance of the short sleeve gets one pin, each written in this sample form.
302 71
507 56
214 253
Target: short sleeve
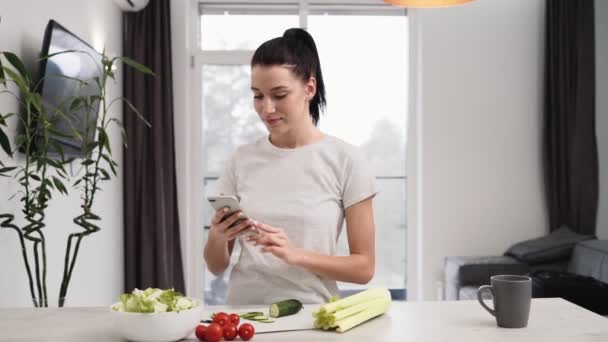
227 181
359 184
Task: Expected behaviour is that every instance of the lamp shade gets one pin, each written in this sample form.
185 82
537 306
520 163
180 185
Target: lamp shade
426 3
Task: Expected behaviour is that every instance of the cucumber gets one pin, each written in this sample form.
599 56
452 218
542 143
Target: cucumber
285 308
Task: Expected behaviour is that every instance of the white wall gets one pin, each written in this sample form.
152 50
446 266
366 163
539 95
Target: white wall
475 139
601 82
98 275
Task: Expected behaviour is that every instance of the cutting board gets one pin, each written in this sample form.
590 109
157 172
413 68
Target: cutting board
303 320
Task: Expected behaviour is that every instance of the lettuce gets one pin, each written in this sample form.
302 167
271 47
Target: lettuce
153 300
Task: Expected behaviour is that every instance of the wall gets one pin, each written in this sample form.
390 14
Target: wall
98 275
475 139
601 101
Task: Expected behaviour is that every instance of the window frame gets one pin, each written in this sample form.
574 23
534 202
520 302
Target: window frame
200 57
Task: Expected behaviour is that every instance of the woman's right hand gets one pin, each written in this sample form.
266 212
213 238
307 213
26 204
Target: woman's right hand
224 226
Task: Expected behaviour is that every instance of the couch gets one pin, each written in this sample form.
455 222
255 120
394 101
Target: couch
561 250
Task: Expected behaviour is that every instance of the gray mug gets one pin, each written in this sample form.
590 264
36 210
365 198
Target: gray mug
511 295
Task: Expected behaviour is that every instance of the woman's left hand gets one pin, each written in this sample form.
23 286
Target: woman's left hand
275 241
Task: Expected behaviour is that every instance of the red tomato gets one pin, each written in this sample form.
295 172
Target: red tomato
234 319
213 333
229 332
221 318
246 331
200 332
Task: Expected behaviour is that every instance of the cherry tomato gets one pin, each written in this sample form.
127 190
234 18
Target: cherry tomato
200 332
246 331
221 318
213 333
229 332
234 319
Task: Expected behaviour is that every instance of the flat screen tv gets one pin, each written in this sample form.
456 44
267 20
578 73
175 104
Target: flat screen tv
57 85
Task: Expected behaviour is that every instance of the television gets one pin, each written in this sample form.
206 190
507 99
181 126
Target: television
57 85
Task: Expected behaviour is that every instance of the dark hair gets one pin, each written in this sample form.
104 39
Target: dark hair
296 47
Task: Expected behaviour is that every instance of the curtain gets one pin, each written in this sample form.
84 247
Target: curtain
569 140
151 230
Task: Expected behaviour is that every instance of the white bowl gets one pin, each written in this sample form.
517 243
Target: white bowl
157 327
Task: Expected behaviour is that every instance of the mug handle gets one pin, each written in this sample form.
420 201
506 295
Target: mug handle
480 292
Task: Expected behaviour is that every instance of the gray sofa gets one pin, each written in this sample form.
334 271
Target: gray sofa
464 274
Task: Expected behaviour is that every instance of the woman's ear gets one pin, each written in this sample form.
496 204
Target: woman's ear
311 88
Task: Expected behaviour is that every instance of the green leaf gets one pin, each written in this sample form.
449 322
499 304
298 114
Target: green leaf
16 62
110 162
2 77
59 185
103 139
106 175
136 111
87 162
76 103
139 67
7 169
21 141
5 143
34 177
37 101
58 53
21 83
80 82
3 118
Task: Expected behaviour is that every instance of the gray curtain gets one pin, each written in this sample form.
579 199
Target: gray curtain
569 141
151 236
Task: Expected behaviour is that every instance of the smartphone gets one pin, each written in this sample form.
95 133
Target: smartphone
219 202
230 202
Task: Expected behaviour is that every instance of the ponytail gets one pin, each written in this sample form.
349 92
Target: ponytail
296 47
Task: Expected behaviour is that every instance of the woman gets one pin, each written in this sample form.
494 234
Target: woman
297 186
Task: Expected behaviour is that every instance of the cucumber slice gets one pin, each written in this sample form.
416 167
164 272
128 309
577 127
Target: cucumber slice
285 308
251 314
259 318
267 320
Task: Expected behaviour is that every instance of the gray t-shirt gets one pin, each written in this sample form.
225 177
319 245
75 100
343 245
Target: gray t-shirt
304 191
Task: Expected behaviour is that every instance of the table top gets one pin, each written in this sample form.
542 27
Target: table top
551 319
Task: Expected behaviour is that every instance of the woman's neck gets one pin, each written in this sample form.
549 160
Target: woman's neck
302 135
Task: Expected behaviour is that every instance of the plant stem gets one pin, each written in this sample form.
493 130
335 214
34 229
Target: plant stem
83 221
7 223
89 196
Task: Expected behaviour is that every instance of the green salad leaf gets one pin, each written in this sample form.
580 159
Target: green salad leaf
153 300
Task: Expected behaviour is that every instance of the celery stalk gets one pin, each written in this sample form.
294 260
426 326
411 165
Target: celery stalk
379 307
355 309
354 300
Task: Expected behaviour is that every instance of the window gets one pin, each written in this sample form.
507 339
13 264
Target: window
366 80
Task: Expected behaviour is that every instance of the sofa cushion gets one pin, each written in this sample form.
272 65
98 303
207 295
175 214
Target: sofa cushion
476 271
470 293
556 246
590 258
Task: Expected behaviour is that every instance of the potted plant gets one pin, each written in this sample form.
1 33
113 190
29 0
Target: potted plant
40 175
97 159
35 176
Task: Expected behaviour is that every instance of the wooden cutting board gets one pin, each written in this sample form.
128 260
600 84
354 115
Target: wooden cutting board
303 320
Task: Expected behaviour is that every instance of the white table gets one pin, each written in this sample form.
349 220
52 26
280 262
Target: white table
551 320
